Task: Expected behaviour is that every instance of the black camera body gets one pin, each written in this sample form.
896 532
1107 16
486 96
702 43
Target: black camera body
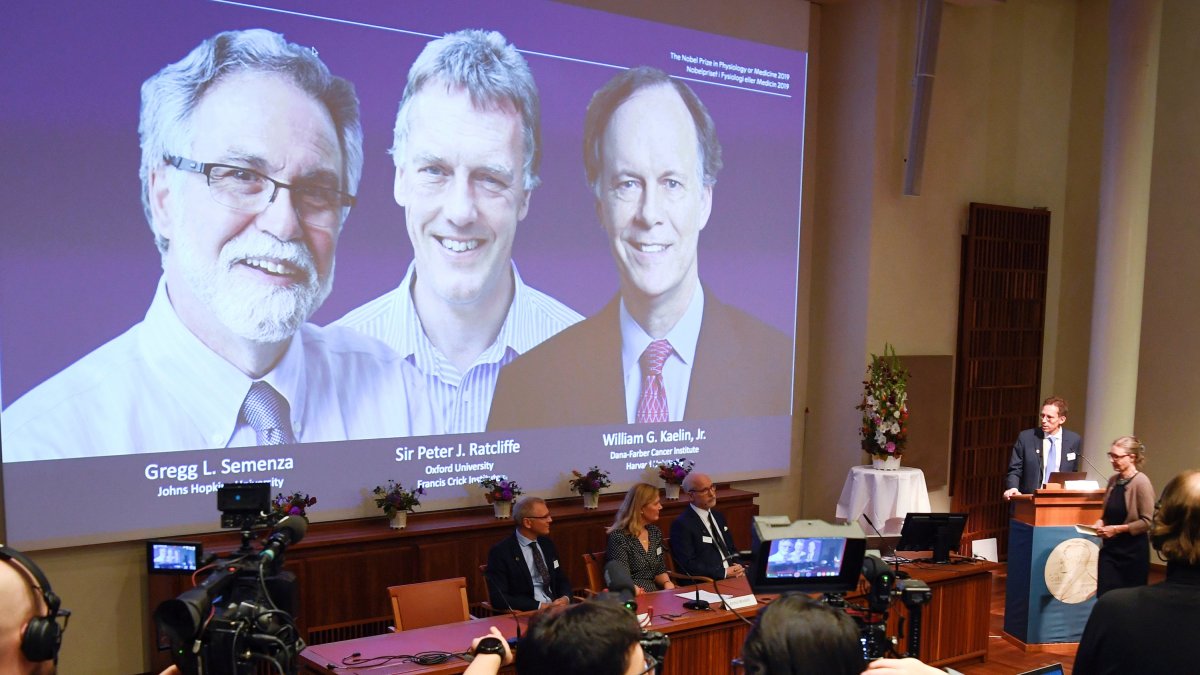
240 616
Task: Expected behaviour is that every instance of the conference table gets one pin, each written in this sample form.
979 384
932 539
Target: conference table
699 638
702 641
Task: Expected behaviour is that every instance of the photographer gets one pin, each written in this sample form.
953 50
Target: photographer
596 638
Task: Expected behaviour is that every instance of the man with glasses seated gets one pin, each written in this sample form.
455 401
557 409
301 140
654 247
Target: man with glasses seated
598 637
700 541
524 571
251 154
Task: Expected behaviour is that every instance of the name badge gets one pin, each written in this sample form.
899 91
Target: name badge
556 563
706 539
659 551
1070 457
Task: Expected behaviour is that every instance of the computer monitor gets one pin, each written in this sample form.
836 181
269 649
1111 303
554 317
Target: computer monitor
937 532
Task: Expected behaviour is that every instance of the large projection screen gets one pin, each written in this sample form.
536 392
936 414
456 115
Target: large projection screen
79 267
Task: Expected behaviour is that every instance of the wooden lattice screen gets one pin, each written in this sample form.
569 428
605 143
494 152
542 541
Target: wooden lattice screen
1002 308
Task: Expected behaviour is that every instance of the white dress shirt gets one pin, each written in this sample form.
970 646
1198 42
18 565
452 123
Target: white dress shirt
677 369
539 587
158 388
460 401
704 518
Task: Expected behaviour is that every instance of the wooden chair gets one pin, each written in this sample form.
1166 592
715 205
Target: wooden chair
594 564
429 603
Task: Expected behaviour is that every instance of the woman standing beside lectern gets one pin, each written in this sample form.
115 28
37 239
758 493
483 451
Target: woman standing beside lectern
1128 509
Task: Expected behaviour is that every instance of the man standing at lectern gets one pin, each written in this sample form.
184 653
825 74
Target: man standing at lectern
1039 452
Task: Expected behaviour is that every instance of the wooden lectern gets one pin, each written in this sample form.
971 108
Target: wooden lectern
1051 567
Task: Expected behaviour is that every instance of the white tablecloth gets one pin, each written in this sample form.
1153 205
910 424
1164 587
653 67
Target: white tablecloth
885 496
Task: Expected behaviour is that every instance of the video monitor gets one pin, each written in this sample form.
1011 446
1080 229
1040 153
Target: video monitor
937 532
173 557
807 556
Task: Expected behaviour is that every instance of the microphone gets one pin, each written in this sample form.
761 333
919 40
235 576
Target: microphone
288 531
487 576
1093 466
895 560
697 603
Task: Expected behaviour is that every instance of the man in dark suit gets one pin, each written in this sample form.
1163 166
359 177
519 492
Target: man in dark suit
665 349
524 571
1038 452
700 539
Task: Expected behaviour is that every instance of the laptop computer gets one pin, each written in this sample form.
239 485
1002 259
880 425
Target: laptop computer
1061 477
1052 669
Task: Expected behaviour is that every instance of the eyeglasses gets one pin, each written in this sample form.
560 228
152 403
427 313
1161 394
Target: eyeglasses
711 489
1116 456
651 664
539 517
249 191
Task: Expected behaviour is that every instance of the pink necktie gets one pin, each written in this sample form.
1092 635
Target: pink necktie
652 404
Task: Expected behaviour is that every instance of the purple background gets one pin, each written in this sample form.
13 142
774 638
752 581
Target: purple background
78 265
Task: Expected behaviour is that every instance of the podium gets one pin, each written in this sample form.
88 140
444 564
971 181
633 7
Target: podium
1051 567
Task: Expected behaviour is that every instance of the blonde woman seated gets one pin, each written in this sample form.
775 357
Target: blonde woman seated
636 542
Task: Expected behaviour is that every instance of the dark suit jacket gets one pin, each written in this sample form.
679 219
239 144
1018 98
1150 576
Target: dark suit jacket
1025 467
509 575
690 553
743 368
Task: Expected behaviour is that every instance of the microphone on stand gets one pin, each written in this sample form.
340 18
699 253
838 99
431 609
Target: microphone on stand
697 603
512 642
895 560
1093 466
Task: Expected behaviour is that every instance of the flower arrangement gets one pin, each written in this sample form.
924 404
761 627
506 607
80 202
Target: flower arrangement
393 498
593 481
674 471
500 489
885 405
292 505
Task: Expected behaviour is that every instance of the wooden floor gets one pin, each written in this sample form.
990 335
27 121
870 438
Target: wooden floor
1003 657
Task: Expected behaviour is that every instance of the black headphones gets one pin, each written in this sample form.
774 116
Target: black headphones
43 636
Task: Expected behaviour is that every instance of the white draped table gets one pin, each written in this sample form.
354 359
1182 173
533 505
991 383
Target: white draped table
885 496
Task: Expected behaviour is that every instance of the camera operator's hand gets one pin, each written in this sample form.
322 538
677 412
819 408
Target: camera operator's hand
484 664
735 570
900 667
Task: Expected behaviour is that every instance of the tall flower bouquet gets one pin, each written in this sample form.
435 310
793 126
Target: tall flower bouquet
885 405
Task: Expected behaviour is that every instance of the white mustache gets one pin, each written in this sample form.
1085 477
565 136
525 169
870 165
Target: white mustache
255 244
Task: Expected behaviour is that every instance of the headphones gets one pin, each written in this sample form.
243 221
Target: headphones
43 635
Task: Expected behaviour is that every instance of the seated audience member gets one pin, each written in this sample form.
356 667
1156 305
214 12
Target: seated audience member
700 539
796 634
1152 629
523 570
594 638
636 542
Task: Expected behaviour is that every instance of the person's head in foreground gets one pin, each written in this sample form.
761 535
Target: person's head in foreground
597 638
796 634
1176 530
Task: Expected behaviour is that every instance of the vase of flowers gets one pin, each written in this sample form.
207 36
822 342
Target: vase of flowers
397 502
294 504
589 485
500 494
672 473
884 409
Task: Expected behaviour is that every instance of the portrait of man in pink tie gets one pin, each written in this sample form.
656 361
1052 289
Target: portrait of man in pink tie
664 349
251 157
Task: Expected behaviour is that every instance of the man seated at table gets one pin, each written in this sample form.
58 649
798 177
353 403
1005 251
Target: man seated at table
700 541
523 570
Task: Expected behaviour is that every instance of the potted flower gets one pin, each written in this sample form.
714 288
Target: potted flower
292 505
396 502
673 472
500 494
885 409
589 485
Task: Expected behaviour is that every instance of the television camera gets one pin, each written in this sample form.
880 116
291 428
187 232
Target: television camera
240 615
812 556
